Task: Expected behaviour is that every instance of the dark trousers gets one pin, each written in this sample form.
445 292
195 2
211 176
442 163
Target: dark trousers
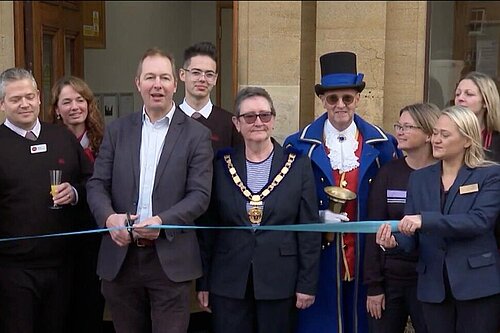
34 300
143 299
87 303
400 301
451 315
248 315
354 315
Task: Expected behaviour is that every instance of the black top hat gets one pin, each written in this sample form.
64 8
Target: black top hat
338 71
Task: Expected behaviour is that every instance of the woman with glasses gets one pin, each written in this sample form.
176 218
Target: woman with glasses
450 215
391 278
253 279
75 106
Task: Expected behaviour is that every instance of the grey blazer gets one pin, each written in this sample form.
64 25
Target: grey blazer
181 191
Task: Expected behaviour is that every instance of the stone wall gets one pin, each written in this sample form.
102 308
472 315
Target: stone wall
278 42
269 41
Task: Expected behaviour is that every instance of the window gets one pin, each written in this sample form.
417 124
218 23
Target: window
464 37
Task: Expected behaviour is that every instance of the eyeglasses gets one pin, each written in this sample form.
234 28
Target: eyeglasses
210 76
334 99
250 118
405 128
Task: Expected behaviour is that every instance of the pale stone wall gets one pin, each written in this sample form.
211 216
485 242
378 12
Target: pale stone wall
269 34
405 57
388 38
7 59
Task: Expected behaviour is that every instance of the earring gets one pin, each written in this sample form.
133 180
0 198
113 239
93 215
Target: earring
58 116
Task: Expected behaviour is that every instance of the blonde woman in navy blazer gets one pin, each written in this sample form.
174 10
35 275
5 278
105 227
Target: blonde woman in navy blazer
450 217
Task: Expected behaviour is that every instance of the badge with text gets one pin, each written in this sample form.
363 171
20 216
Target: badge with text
35 149
469 188
396 196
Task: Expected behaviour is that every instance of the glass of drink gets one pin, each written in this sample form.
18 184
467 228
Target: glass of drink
55 179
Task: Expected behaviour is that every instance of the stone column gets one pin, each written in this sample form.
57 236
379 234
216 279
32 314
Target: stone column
405 57
358 27
279 45
269 37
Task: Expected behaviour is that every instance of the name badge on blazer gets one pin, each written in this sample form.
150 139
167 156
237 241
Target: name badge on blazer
396 196
38 148
469 188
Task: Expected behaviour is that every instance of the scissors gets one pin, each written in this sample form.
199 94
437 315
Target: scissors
129 224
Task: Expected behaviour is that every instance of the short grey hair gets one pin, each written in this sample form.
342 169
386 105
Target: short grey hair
249 92
14 74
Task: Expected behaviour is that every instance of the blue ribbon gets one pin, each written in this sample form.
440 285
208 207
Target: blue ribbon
344 227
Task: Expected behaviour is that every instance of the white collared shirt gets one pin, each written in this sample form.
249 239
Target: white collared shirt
205 111
22 132
85 141
342 146
152 141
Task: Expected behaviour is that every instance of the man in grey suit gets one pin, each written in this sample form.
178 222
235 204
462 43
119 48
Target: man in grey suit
155 165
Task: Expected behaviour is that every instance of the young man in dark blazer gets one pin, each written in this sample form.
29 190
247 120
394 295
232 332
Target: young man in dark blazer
155 165
199 74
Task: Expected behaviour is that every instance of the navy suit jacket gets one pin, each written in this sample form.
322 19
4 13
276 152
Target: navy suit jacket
459 237
181 190
282 262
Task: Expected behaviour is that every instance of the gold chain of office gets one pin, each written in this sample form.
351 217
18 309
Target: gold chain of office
256 200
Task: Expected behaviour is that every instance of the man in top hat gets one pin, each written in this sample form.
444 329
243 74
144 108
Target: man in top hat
345 151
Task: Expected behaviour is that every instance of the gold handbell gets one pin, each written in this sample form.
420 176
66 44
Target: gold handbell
338 197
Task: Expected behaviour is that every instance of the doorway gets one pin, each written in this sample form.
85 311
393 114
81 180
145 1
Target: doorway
49 41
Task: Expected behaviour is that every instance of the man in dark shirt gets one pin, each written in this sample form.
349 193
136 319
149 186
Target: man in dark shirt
35 273
199 74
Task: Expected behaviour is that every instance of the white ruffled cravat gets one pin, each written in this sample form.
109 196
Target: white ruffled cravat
342 147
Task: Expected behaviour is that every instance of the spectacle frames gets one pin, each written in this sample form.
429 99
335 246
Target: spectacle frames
251 118
334 99
405 128
210 76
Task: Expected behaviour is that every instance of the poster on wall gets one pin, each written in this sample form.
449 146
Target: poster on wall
110 107
487 57
94 25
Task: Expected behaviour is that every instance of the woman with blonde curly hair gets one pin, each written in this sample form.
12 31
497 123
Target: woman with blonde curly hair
75 106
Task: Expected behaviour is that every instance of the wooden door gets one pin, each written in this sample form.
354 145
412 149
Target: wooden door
51 43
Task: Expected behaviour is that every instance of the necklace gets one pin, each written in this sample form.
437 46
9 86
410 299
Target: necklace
256 201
